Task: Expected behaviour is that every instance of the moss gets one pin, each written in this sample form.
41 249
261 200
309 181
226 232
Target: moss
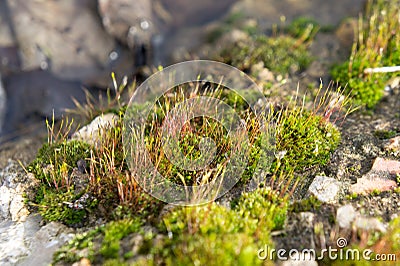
55 162
303 138
303 28
306 139
55 206
220 236
55 195
81 246
385 134
365 89
378 45
212 249
100 245
114 232
309 204
263 205
282 54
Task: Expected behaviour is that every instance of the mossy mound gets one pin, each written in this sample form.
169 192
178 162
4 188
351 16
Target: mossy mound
210 234
378 45
282 54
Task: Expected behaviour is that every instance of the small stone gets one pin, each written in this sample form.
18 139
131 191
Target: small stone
262 73
372 182
93 132
12 192
324 188
393 145
345 215
379 178
369 224
307 218
386 165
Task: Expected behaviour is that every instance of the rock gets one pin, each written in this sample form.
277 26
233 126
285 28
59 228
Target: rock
324 188
393 145
97 128
63 36
369 224
379 178
12 190
6 35
372 182
12 242
47 240
345 33
386 165
82 262
345 216
307 219
131 22
262 73
26 243
10 62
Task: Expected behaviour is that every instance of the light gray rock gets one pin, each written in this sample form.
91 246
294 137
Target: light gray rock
131 22
93 132
63 36
307 219
47 240
369 224
22 239
324 188
345 216
12 244
26 243
12 189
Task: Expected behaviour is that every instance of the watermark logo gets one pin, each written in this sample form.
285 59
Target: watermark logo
142 110
331 253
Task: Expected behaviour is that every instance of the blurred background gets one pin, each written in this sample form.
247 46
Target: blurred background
50 50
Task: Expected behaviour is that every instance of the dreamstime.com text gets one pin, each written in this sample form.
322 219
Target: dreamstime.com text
330 253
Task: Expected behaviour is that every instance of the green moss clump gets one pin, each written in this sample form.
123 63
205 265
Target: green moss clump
282 54
306 139
81 246
100 245
364 89
303 28
265 206
385 134
55 194
378 45
309 204
114 232
200 234
213 249
56 206
55 162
